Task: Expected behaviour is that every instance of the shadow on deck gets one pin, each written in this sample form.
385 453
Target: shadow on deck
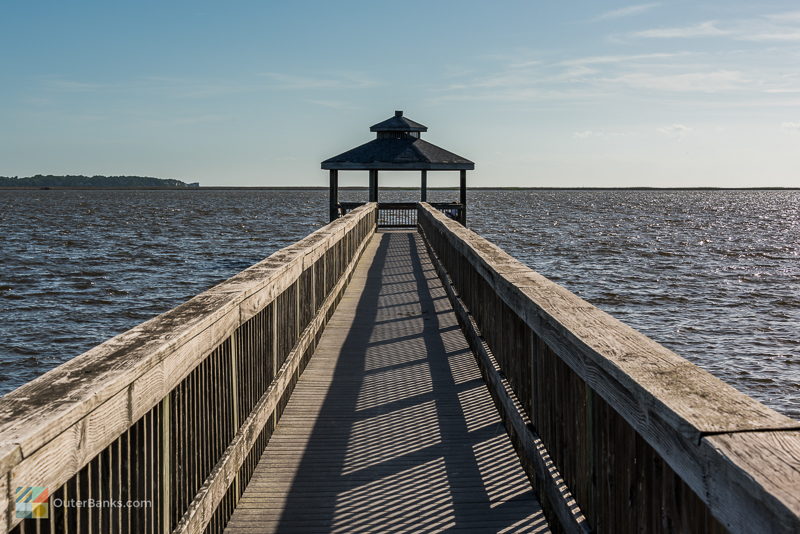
390 427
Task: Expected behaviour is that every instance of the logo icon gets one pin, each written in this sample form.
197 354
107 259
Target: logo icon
32 501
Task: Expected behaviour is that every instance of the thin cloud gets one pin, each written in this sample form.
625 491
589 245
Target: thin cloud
791 127
790 36
74 86
333 104
596 60
675 130
783 90
290 81
702 82
598 134
515 94
161 85
628 11
787 16
704 29
779 27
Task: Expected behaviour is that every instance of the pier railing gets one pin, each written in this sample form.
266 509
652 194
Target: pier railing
404 214
165 422
617 433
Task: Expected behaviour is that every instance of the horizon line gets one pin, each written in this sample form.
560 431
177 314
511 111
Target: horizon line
404 188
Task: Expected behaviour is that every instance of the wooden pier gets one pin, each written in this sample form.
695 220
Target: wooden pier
365 380
391 427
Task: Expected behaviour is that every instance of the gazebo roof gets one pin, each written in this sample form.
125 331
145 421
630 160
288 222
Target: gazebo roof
398 152
398 123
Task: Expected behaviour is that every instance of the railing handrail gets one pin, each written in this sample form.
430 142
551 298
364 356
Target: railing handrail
402 204
740 457
52 426
395 212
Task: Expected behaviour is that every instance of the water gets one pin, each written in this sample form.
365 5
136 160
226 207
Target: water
713 275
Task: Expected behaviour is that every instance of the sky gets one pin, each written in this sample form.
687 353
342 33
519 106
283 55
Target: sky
258 93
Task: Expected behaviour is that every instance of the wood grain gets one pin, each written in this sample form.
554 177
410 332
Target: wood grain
52 426
5 499
390 427
548 483
694 401
668 401
206 502
759 467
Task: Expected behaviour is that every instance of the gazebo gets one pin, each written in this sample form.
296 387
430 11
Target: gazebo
398 147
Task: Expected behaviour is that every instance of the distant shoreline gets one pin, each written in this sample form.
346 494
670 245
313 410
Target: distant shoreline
361 188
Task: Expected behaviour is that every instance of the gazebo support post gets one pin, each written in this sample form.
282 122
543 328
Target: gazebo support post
424 187
334 194
373 185
463 196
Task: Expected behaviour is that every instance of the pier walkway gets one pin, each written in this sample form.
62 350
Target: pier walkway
390 427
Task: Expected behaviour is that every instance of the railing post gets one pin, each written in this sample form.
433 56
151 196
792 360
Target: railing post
275 345
235 395
166 465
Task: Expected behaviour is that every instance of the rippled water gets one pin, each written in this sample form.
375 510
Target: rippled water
713 275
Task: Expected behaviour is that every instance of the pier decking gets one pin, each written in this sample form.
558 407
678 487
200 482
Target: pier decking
391 427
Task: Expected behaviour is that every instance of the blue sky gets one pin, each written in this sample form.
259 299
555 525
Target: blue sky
536 93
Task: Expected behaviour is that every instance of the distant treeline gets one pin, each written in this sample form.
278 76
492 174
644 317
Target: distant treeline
50 180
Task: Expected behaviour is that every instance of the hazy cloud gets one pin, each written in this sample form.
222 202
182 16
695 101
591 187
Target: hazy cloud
74 86
596 60
787 36
791 127
704 29
333 104
161 85
778 27
703 82
788 16
675 130
346 81
626 11
598 134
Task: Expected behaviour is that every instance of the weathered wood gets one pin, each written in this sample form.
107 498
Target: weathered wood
51 427
423 186
389 426
65 394
166 468
205 503
759 467
546 480
38 411
668 401
693 401
5 500
54 463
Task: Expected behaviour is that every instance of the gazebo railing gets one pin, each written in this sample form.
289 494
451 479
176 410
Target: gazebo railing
404 214
397 215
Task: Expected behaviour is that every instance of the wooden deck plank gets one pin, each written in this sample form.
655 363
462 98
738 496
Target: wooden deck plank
391 427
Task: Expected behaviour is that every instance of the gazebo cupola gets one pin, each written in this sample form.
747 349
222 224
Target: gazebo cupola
397 147
398 127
